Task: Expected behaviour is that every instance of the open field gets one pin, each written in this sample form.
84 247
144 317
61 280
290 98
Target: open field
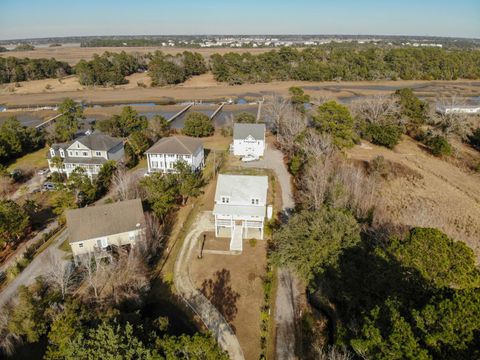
440 195
204 87
72 54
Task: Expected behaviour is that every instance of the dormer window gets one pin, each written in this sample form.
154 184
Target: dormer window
52 152
225 199
255 201
62 153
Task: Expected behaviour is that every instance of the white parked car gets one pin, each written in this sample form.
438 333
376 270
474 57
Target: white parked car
43 172
250 158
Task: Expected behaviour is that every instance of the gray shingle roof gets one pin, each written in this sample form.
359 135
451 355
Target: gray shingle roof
103 220
176 145
99 141
242 131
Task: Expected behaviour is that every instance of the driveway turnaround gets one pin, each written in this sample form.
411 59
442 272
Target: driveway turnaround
211 317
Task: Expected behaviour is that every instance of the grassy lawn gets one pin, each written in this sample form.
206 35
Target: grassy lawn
37 159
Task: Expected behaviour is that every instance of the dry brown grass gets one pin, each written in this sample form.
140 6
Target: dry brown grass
236 275
440 195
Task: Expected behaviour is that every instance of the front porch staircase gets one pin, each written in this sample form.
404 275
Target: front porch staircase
236 242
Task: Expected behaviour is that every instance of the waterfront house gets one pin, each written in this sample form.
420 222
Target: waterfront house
163 155
248 140
89 152
97 229
240 208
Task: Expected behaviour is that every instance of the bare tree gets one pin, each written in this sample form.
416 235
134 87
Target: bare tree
317 145
152 240
8 339
275 108
450 122
332 353
378 109
125 185
60 272
315 183
94 273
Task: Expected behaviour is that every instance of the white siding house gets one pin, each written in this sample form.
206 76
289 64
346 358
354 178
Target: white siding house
240 208
248 140
89 152
163 155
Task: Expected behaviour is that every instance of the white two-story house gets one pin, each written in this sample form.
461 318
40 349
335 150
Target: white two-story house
89 152
240 208
163 155
248 140
97 229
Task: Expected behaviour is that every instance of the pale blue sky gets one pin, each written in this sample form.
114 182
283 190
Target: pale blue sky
42 18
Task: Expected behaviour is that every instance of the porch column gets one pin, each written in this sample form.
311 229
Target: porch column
261 231
216 227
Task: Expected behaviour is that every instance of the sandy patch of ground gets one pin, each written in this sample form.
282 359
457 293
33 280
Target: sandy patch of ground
204 80
234 285
444 196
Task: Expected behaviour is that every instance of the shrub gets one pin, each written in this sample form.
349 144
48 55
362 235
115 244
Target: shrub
198 125
245 117
252 242
439 146
384 135
474 138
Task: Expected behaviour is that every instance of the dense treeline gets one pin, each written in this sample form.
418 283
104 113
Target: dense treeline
325 64
109 68
168 69
14 69
17 140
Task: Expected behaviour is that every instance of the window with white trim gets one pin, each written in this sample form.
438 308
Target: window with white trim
80 245
155 164
85 153
62 153
52 152
255 201
98 153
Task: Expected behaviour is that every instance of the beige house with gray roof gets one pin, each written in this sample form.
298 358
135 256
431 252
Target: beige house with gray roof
163 155
99 228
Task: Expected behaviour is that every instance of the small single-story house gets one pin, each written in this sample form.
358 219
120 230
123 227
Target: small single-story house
95 229
248 139
163 155
89 152
240 207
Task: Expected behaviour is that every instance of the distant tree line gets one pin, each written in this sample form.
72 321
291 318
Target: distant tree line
168 69
14 69
351 64
109 68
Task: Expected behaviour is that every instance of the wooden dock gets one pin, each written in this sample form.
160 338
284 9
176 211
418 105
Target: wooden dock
181 112
217 111
48 122
259 110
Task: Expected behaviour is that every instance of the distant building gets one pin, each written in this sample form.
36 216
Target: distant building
97 229
459 109
240 208
89 152
163 155
248 140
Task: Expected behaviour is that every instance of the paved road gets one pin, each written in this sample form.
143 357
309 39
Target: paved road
39 266
287 291
23 247
211 317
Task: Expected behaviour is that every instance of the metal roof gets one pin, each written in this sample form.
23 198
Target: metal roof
242 131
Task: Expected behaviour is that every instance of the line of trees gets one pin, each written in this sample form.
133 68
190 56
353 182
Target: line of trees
168 69
14 69
109 68
336 63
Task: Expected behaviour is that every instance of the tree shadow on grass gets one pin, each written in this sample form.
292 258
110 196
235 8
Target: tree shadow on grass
220 293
